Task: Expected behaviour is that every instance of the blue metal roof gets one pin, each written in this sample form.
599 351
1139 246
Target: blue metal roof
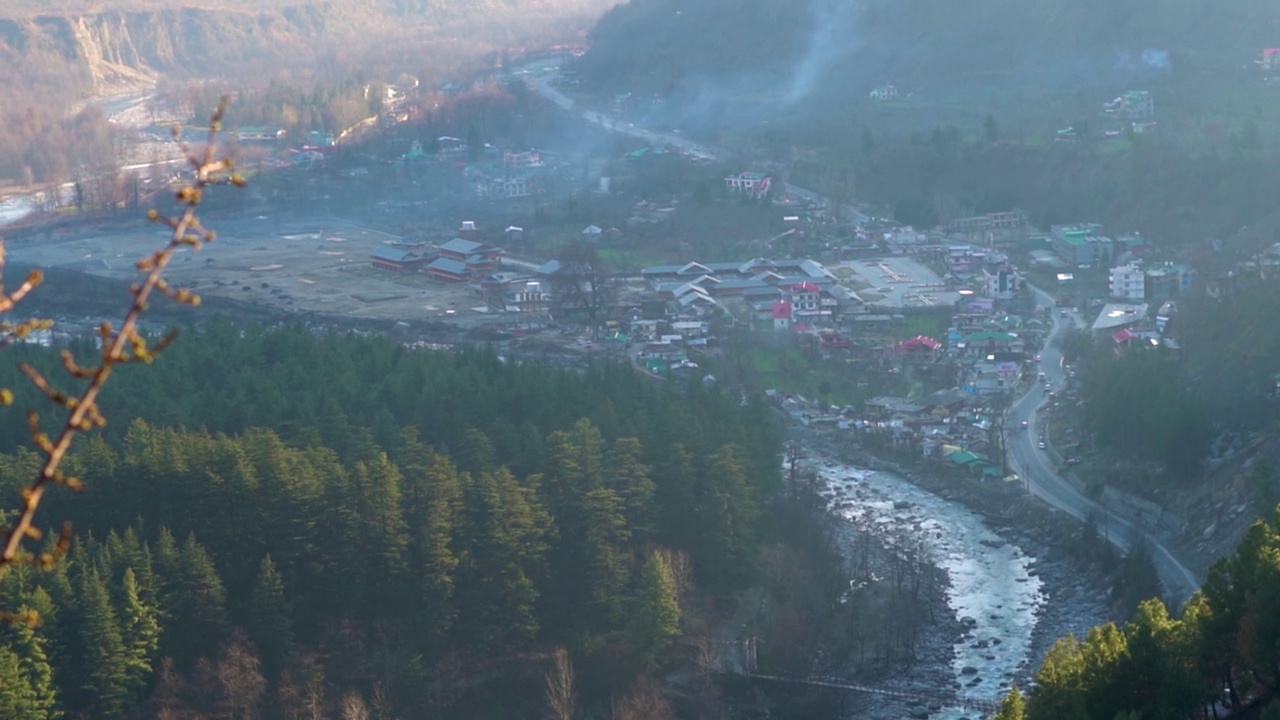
448 265
461 247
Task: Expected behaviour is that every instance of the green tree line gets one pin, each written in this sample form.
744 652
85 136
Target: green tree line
1140 409
1223 652
300 512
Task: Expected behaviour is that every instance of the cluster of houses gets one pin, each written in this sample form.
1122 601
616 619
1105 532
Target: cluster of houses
1135 281
783 294
461 259
513 178
949 426
1132 105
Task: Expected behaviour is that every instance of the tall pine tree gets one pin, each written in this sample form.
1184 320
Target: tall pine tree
17 698
36 685
195 602
270 622
106 674
432 496
657 613
140 627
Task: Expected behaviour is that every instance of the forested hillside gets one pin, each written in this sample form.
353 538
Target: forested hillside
297 520
1222 651
652 45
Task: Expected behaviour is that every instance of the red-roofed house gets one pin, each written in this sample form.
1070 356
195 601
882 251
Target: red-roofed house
1269 59
833 339
781 314
1122 336
919 343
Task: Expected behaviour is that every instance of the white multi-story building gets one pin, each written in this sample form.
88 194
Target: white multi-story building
1128 282
1001 282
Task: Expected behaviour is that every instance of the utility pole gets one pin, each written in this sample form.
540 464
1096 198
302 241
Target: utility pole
794 456
749 645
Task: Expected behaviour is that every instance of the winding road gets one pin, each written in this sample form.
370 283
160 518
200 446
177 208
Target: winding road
543 76
1044 482
1042 479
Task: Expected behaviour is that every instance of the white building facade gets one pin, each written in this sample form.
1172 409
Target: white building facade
1128 282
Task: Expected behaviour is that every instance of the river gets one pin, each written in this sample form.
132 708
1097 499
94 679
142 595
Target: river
993 588
15 208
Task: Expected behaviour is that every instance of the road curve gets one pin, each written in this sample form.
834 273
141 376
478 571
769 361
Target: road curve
1043 481
542 83
1023 454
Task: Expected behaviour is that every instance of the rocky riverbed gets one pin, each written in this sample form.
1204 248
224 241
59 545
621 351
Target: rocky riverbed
1009 592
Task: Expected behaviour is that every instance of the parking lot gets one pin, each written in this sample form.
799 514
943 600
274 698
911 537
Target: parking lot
900 282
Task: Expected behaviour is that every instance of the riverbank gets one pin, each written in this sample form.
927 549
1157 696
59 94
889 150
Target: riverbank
959 655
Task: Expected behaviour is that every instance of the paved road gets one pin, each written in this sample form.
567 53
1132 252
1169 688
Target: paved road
1024 455
1044 482
543 84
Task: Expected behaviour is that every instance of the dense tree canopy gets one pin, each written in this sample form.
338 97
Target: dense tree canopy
350 493
1224 648
1139 407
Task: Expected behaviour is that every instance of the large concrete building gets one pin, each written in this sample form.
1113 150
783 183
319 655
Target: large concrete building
1082 245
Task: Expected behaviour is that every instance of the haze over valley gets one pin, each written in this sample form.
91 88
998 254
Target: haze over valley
645 360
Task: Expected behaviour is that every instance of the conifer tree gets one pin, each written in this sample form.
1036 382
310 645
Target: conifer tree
1011 708
27 643
674 484
432 496
139 558
503 535
140 628
167 561
605 556
657 613
475 453
270 622
630 480
60 628
106 675
727 512
196 606
380 532
18 700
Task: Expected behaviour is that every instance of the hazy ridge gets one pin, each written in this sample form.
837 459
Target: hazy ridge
70 49
859 44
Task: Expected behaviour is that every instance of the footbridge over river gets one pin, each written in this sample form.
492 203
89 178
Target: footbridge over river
738 657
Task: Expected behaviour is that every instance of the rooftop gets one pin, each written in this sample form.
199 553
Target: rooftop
391 254
1118 315
448 265
461 247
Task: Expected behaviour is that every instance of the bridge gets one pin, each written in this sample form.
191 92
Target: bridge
739 657
987 707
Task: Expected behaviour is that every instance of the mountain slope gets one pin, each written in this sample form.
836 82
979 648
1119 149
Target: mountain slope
658 44
99 47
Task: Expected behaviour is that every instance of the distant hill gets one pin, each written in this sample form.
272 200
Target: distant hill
76 47
118 50
856 45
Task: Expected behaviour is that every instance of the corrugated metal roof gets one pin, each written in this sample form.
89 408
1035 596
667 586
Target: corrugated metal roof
448 265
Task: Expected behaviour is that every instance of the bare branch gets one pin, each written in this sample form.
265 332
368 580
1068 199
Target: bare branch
561 696
118 346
